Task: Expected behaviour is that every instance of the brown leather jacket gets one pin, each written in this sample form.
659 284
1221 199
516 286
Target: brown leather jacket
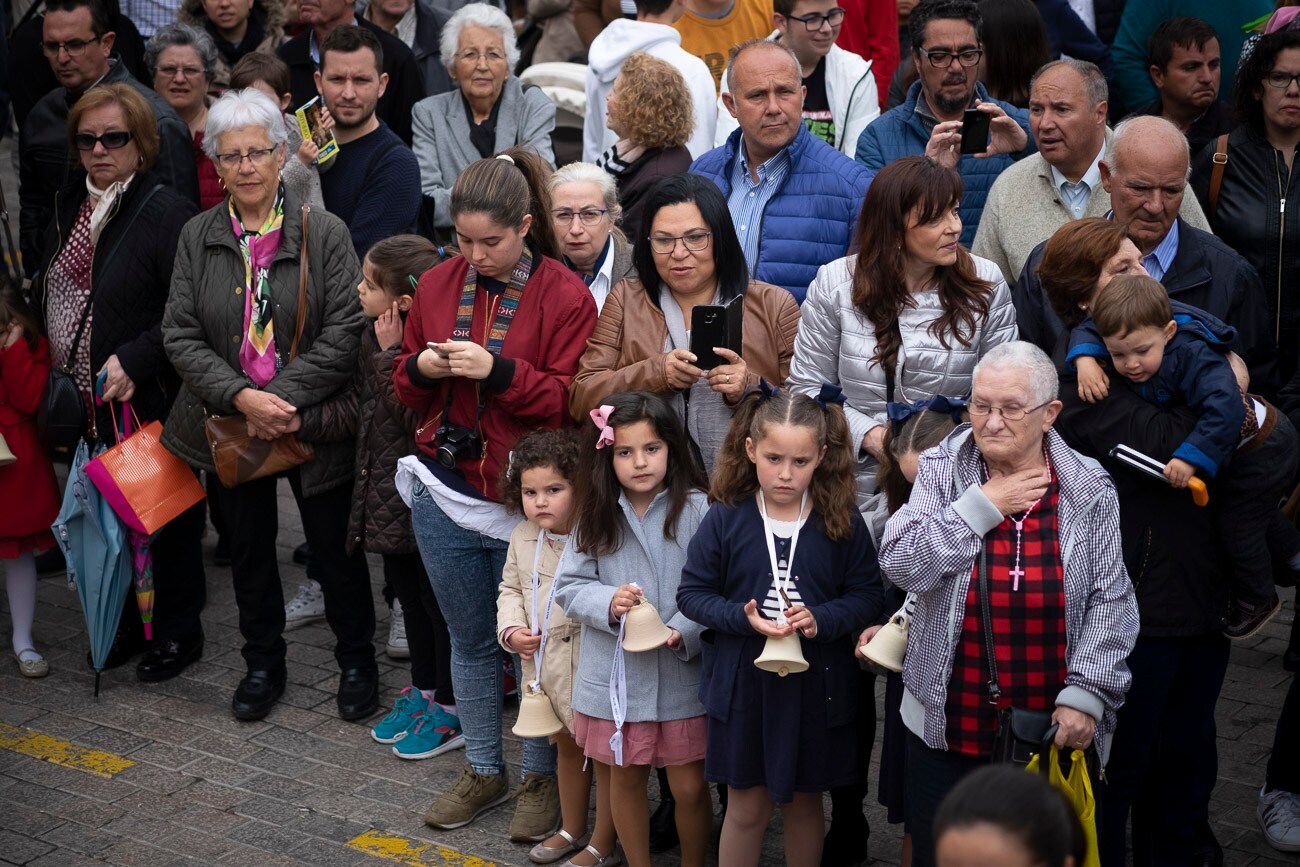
626 351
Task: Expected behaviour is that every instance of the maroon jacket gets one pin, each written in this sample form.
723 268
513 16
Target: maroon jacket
528 387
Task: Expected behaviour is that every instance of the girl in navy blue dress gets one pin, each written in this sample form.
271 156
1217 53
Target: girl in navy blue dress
782 551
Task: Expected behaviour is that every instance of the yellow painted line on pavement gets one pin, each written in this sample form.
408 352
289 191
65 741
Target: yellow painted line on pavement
60 752
415 853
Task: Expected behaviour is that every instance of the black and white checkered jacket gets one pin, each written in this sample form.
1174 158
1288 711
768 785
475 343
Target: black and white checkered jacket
930 547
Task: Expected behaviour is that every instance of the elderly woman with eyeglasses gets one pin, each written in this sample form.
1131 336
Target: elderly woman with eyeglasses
687 254
184 63
230 330
488 111
585 211
116 226
1011 543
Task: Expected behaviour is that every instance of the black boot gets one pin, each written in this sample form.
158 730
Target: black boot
846 841
663 822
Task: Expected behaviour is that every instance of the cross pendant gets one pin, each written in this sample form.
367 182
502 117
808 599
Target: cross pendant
1016 574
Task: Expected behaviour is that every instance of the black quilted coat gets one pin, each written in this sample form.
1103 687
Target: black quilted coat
130 279
380 522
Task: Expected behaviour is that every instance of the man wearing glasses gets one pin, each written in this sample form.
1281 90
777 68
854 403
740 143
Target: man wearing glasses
840 91
79 46
946 50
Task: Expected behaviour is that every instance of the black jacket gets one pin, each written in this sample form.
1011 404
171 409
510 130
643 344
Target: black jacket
1172 550
1108 13
1218 119
44 164
405 86
1205 273
429 21
1250 218
636 181
130 279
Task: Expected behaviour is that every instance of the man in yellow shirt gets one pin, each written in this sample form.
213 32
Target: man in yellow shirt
711 28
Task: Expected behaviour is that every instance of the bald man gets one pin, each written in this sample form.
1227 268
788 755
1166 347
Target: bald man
793 198
1145 174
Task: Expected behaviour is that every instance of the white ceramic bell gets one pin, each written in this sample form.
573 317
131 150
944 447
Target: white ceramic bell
537 718
782 656
887 648
644 629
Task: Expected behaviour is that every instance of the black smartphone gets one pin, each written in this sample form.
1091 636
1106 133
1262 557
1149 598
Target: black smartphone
975 131
715 325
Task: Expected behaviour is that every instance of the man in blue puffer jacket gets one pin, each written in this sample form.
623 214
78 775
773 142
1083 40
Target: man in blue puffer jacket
946 49
793 198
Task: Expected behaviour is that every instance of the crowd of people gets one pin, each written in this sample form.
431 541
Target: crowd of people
948 252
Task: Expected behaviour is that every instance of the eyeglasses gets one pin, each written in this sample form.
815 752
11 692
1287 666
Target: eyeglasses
472 56
815 21
589 216
256 156
1008 413
112 140
74 47
693 241
183 71
943 59
1281 80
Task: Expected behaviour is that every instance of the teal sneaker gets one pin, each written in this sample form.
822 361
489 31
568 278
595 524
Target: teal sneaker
410 707
432 735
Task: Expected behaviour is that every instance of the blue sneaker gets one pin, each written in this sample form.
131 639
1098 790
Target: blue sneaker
410 707
432 735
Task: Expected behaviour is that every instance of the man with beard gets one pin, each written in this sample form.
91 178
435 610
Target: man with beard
946 49
373 184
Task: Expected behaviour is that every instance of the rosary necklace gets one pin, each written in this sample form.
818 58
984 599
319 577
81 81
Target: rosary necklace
1016 572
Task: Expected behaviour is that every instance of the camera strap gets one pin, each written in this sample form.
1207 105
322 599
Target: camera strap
506 307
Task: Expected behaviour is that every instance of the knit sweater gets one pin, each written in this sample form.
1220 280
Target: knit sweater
373 187
1024 209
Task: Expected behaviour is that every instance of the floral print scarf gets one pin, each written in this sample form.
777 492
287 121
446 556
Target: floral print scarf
258 248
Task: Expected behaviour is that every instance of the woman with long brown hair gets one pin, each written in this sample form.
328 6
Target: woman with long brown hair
903 320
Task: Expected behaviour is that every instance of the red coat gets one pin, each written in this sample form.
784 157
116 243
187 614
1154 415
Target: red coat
29 495
548 335
871 31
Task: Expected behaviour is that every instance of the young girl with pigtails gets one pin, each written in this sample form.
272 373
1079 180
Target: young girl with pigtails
783 551
640 500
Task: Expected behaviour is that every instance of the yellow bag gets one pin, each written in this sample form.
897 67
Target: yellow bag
1078 788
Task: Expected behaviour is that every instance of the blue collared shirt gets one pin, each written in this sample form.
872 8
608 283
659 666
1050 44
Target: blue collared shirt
1157 262
748 200
1076 196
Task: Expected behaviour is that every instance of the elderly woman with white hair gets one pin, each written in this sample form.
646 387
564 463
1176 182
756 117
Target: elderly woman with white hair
1011 543
183 60
488 111
585 212
235 331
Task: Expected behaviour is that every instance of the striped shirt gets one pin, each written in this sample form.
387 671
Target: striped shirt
748 200
773 606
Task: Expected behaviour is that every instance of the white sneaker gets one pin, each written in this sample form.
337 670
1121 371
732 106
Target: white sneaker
1279 816
308 606
397 648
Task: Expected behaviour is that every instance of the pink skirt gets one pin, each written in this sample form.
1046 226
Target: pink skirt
658 744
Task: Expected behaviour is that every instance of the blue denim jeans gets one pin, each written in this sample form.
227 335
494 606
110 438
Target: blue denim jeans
465 569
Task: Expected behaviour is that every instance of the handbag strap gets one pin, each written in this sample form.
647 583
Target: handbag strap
986 620
302 287
1220 160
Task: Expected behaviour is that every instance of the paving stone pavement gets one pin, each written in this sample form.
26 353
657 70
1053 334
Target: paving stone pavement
296 787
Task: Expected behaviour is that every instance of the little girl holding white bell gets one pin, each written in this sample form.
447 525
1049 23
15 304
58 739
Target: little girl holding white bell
782 556
538 479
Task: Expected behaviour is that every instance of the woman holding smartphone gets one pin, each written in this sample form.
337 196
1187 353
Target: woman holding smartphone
688 255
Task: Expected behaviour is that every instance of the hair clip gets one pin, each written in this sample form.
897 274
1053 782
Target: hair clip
415 284
830 394
899 412
507 158
601 418
766 391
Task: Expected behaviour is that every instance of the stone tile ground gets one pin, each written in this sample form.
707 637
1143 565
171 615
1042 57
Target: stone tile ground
296 787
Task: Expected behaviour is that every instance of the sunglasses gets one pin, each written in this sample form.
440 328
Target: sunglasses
111 140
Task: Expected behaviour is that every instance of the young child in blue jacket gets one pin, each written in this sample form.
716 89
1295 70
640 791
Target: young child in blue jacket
1178 355
783 551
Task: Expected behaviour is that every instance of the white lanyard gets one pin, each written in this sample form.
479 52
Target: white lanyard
782 585
546 620
618 694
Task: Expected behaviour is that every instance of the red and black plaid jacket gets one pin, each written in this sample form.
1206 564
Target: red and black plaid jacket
1028 632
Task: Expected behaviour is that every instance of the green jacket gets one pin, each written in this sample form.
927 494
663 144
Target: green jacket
203 330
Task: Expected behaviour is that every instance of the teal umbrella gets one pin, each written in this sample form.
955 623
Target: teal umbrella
93 541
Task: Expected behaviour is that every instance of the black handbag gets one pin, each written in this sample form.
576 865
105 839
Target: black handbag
1021 733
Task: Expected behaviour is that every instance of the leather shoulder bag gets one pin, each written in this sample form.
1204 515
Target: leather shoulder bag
241 458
